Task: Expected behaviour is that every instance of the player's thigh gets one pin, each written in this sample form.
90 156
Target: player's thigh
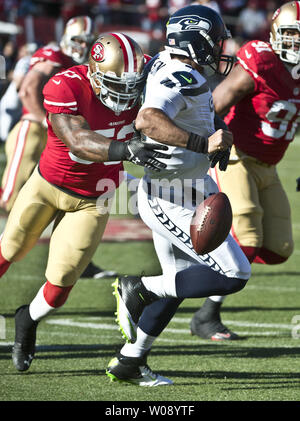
277 224
169 220
73 242
239 183
30 215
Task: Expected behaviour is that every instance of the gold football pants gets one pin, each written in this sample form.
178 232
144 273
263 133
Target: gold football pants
261 210
23 148
78 229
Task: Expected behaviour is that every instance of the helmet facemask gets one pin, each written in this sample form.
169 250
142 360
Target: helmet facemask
286 46
77 38
118 93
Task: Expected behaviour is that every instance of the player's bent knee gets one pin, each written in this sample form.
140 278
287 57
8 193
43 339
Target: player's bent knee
234 285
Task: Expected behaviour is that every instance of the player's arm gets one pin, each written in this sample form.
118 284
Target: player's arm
31 91
232 89
88 145
155 124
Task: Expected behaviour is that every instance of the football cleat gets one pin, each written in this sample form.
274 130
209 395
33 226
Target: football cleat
25 337
96 272
206 323
135 371
132 297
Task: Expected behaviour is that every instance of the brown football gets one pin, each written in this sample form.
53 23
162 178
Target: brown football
211 223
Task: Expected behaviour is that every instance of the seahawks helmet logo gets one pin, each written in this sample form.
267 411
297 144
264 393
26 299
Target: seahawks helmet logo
187 23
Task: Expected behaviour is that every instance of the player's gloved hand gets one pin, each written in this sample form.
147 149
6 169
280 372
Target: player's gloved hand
140 153
298 184
221 157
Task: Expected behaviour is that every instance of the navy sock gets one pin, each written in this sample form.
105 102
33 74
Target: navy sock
201 281
157 315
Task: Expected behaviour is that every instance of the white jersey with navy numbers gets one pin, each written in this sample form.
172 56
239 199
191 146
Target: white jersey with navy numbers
184 96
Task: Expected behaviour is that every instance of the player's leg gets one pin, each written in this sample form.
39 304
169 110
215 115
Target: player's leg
224 272
23 149
129 363
77 233
31 214
277 225
247 229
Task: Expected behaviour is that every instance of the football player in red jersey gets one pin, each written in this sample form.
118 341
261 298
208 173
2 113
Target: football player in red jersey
260 100
27 139
90 114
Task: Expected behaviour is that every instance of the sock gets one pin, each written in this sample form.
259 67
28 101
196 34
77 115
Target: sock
142 344
4 264
217 298
162 285
268 257
48 298
250 252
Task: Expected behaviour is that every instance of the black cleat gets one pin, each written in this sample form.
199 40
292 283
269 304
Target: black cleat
132 297
96 272
206 323
135 371
25 337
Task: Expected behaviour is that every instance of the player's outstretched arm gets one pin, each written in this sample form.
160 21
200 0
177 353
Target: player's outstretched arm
88 145
232 89
155 124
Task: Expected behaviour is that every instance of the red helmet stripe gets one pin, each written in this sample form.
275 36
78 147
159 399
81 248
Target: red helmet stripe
128 50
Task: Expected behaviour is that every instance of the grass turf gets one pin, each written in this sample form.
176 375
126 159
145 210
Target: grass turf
75 344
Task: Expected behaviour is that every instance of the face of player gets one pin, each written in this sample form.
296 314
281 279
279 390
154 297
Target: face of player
291 39
78 48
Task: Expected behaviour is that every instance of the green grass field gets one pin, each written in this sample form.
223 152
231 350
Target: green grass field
75 344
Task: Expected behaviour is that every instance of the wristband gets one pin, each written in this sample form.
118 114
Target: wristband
116 151
197 143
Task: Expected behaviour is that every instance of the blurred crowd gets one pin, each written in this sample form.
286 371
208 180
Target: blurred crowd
246 19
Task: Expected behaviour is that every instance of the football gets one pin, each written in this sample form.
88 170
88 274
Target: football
211 223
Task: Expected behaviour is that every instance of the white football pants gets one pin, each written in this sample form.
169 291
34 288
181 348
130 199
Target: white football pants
170 224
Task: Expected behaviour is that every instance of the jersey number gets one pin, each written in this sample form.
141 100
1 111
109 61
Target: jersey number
281 112
110 133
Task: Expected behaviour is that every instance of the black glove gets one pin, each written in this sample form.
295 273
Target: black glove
298 184
221 157
138 152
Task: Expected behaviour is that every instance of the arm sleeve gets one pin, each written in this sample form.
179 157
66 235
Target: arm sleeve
59 97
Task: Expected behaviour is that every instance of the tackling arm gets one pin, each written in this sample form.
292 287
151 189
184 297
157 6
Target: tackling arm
86 144
231 90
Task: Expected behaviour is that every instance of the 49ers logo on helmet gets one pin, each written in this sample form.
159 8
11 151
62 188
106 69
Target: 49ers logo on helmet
97 52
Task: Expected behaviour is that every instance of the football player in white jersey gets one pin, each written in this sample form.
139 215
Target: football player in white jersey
178 111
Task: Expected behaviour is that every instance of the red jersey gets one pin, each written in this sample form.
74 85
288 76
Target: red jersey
264 123
51 53
70 92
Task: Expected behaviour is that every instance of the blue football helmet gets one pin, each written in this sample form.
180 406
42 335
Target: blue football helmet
199 32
